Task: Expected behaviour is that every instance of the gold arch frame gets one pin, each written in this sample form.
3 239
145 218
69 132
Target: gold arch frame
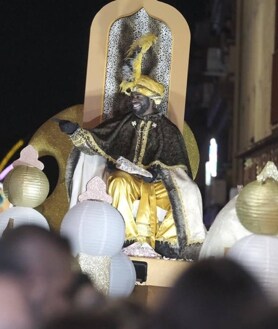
98 45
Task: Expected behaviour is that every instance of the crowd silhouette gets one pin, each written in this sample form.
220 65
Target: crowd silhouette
41 287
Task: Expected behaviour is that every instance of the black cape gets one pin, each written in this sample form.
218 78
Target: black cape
146 141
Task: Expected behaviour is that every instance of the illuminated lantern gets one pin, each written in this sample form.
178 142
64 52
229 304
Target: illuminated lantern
225 230
96 231
20 216
122 276
258 254
257 203
26 186
95 228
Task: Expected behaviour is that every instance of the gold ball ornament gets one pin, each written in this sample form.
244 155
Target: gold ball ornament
26 186
257 207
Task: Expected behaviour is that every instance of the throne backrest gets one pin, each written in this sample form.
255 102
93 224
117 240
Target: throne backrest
113 30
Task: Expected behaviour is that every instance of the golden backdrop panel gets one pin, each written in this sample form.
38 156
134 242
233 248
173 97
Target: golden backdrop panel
26 186
192 149
98 269
257 207
50 141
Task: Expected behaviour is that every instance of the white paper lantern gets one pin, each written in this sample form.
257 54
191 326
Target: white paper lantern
258 254
21 216
122 276
224 232
95 228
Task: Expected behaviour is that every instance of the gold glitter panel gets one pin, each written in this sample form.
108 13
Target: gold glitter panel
98 269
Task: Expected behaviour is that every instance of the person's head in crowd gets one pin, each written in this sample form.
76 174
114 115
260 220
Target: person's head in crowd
81 320
84 294
43 261
15 312
212 294
115 314
128 312
269 321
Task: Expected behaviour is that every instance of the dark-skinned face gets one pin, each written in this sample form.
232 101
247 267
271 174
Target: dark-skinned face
141 105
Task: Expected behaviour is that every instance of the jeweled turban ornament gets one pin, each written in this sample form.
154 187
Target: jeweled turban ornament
133 80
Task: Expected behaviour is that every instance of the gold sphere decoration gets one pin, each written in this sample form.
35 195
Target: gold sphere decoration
26 186
257 207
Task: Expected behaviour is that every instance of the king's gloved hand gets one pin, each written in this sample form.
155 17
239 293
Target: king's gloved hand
67 126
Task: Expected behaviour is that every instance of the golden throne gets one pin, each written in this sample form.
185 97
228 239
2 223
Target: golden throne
113 29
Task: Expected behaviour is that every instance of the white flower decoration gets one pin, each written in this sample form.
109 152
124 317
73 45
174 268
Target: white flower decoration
154 125
133 123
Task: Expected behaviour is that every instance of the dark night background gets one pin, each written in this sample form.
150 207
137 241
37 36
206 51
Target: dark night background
44 47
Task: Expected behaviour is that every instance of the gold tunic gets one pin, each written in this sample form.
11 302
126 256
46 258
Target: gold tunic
125 189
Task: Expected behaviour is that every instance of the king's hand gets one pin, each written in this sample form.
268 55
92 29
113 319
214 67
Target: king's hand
67 126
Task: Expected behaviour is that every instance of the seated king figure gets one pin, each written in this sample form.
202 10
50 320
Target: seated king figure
147 160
